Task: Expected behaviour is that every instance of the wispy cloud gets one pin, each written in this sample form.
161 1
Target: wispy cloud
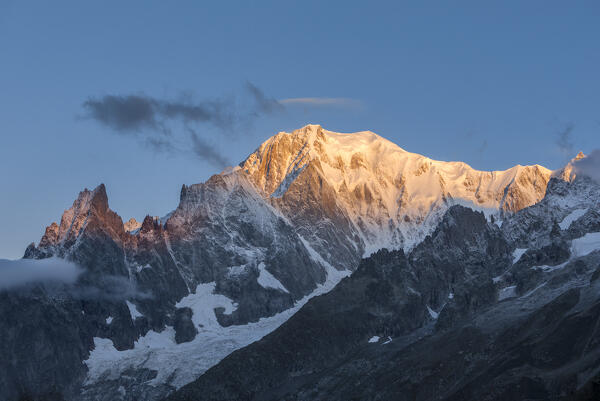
107 287
206 151
185 125
265 103
322 101
564 140
483 147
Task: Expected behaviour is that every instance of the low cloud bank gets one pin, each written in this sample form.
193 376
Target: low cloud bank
60 277
589 165
16 273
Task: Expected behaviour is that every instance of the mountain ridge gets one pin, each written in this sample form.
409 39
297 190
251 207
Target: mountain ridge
254 244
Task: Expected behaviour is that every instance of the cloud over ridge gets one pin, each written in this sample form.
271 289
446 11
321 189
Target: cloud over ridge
16 273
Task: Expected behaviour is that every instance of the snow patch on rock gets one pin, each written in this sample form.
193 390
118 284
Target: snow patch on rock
571 217
586 244
133 311
507 292
267 280
432 313
179 364
518 253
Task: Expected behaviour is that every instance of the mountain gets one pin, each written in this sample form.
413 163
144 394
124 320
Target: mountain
159 303
372 191
466 315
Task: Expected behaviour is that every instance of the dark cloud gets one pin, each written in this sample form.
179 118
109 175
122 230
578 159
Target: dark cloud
220 113
134 113
22 272
564 140
130 113
154 120
589 165
206 151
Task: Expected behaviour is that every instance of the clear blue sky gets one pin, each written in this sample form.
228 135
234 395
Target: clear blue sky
489 84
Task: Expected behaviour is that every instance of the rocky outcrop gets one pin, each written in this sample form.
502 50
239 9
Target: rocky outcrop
131 225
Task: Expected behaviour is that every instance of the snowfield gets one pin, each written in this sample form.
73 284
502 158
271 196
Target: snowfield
179 364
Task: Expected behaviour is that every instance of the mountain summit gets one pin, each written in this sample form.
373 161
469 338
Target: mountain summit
384 195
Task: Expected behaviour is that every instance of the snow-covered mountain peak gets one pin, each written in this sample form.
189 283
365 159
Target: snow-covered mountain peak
386 192
284 155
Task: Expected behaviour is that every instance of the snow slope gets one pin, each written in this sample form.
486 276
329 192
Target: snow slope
178 364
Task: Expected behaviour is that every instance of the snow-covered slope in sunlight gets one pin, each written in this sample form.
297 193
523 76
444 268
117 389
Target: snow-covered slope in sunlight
383 195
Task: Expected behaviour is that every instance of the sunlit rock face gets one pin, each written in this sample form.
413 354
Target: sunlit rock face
373 192
131 225
250 246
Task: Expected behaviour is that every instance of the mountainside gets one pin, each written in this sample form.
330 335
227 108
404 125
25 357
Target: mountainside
159 303
466 315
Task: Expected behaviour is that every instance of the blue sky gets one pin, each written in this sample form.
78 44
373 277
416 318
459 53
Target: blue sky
489 84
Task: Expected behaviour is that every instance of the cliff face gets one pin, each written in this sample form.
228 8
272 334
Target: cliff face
162 301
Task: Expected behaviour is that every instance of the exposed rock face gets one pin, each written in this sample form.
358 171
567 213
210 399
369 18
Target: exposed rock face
221 233
244 250
131 225
185 331
464 316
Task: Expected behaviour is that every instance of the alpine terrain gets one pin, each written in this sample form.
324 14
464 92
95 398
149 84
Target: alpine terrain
325 266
